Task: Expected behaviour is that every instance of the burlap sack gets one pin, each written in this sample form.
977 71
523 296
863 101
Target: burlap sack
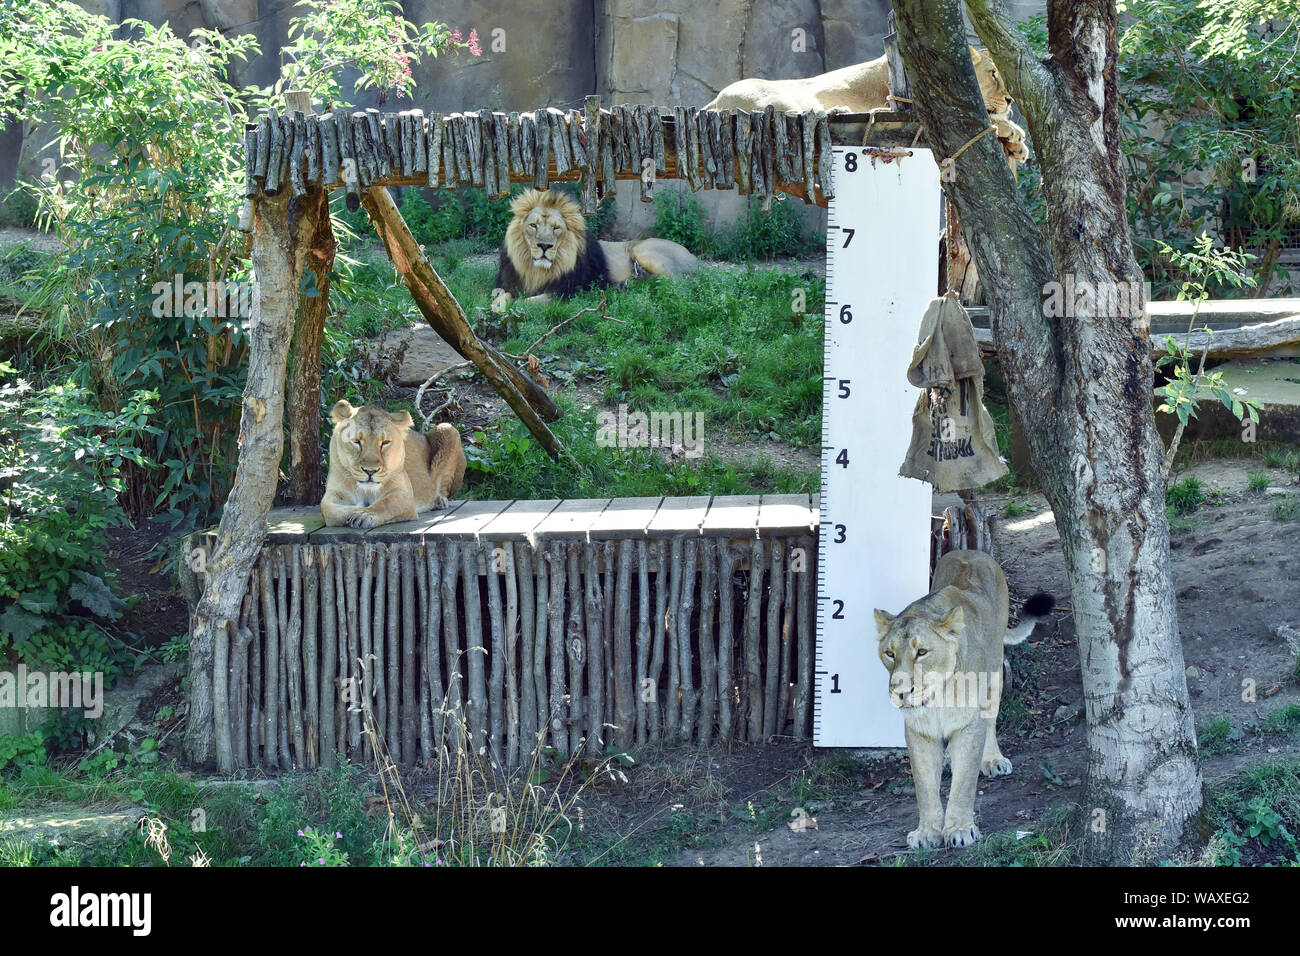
953 444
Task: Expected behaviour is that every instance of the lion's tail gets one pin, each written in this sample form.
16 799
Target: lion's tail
1036 608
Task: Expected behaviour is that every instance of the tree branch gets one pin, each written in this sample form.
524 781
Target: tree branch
1027 77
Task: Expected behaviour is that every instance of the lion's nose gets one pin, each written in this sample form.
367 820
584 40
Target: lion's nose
370 472
544 245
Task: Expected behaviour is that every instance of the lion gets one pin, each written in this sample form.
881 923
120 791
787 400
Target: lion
944 657
548 251
381 470
864 87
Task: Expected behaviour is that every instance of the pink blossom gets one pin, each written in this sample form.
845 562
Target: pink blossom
474 48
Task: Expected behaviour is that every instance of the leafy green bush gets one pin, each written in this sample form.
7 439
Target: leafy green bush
60 475
1184 497
778 233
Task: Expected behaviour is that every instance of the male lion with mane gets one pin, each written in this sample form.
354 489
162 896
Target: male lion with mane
382 470
548 251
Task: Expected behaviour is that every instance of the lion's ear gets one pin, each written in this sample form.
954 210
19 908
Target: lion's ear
342 411
402 419
953 622
883 620
525 201
975 56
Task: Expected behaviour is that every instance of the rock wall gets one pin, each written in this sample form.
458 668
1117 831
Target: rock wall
630 51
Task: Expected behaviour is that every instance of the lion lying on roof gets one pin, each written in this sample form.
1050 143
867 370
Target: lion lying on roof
548 251
864 87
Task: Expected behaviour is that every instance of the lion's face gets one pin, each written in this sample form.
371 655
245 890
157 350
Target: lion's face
544 237
371 442
913 646
544 230
996 98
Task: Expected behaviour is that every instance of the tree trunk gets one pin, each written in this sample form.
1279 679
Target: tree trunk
1081 385
281 231
304 376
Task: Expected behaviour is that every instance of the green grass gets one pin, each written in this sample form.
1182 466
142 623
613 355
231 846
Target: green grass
1283 720
1185 497
1016 509
1215 737
1288 509
1255 814
1256 479
1282 457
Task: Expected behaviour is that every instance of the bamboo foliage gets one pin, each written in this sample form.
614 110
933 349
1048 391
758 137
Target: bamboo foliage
574 645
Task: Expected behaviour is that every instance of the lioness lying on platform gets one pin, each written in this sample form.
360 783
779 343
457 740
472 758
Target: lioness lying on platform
382 470
864 87
944 657
548 251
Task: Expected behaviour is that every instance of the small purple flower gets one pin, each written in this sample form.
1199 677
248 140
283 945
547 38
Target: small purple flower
299 833
337 835
321 861
308 829
303 863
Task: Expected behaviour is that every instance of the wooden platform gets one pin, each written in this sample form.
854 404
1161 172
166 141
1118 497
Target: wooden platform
733 516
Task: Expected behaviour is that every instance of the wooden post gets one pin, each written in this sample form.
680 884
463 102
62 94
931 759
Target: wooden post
281 228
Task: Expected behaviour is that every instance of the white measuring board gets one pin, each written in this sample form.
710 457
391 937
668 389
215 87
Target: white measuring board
882 269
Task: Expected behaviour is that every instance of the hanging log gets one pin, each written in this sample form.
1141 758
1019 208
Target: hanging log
793 124
329 655
781 150
390 126
655 118
708 639
273 183
489 153
707 150
263 153
459 148
560 152
402 138
542 150
573 129
720 149
251 185
608 162
496 675
726 133
685 608
693 149
743 143
327 130
434 150
825 156
618 138
378 144
348 161
312 129
803 684
453 709
594 160
444 313
450 155
363 149
752 690
558 709
596 667
644 153
575 650
757 157
511 654
420 143
512 145
528 142
474 148
807 132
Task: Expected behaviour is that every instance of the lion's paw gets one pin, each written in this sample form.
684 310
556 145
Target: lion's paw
999 766
440 502
925 837
363 520
960 836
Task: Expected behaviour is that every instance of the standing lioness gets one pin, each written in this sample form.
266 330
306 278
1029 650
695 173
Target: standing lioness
944 657
381 470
